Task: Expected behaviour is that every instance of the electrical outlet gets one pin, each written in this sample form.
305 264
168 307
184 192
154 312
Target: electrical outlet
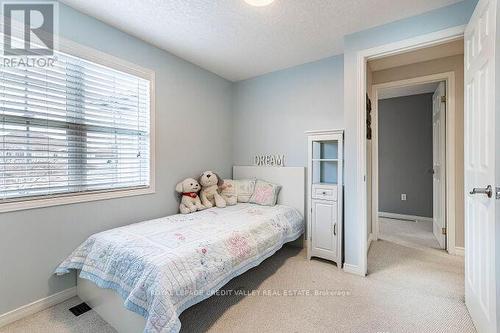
403 196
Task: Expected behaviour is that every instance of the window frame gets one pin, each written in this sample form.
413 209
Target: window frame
74 49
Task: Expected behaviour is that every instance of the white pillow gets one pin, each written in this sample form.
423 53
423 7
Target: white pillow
265 193
229 191
244 189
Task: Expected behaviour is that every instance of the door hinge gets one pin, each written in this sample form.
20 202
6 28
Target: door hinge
443 231
443 99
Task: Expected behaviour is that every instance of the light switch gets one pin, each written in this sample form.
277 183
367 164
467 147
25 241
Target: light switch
403 196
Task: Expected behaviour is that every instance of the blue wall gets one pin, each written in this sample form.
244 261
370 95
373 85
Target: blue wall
272 111
192 105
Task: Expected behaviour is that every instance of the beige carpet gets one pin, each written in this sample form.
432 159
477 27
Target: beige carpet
407 290
413 233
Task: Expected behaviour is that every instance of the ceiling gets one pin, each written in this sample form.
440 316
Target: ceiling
415 89
238 41
430 53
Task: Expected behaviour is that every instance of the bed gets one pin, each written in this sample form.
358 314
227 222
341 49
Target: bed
158 268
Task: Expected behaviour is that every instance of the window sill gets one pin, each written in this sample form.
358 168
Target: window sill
73 199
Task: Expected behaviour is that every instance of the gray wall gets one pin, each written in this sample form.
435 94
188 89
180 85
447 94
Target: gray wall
272 112
405 155
189 100
453 64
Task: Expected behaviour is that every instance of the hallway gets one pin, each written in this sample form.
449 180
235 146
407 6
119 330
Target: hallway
410 233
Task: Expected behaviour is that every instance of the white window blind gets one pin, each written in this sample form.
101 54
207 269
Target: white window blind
76 127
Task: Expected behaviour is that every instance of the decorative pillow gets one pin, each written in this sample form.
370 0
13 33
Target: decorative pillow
244 189
229 191
265 194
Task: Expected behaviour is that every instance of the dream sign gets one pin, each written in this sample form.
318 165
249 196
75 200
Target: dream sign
269 160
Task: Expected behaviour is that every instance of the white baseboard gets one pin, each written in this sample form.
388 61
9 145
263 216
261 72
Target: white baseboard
459 251
353 269
36 306
404 217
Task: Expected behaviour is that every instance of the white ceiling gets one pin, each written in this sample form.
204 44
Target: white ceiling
415 89
237 41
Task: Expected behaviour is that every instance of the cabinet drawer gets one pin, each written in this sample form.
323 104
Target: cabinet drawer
324 192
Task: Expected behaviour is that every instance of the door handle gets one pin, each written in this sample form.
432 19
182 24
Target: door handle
480 190
335 229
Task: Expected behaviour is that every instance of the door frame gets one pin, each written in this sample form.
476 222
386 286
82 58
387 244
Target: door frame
362 57
450 146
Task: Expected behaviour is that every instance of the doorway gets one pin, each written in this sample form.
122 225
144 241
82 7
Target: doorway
408 161
480 160
409 73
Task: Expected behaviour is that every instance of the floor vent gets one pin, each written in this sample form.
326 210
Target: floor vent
80 309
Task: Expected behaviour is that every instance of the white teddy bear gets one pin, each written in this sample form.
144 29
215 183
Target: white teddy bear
210 196
190 201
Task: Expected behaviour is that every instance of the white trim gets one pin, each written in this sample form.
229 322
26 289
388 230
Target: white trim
325 132
415 43
72 199
450 144
362 57
36 306
459 251
370 239
78 50
74 49
353 269
405 217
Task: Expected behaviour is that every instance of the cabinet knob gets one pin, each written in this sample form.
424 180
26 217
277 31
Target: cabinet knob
324 193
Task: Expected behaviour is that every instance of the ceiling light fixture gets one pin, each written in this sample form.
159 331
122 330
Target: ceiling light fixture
259 3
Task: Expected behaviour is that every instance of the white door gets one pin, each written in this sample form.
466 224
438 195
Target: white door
324 237
480 291
439 165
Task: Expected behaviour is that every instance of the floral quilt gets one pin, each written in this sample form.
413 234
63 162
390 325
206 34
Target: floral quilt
163 266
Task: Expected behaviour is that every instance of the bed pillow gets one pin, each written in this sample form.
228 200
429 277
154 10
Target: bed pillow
265 194
244 189
229 191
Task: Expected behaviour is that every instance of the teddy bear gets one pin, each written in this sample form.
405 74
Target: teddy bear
190 201
209 194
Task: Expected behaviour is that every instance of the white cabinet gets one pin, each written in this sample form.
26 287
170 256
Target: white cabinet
324 225
325 194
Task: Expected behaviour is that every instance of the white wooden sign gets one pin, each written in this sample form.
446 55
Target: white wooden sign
269 160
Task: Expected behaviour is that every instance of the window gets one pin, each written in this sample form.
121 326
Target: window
75 128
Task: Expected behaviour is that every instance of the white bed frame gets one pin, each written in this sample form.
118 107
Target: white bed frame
109 305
